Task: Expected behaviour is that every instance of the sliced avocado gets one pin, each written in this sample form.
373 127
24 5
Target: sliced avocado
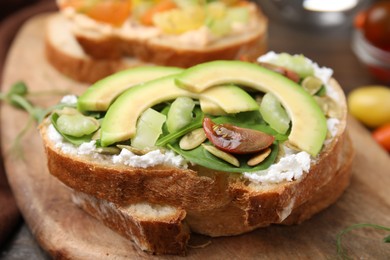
120 121
119 124
100 95
211 108
232 99
309 128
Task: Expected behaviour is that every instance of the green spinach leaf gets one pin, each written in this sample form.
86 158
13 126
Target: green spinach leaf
202 157
171 137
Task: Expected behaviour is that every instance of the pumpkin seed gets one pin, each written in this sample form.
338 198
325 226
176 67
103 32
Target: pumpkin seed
108 150
311 84
96 135
222 155
291 146
258 158
281 152
133 149
192 139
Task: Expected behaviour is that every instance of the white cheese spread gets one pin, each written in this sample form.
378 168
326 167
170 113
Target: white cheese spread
150 159
69 100
289 168
125 157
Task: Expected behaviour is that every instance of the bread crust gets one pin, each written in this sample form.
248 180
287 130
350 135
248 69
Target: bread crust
167 234
287 205
235 204
63 52
83 69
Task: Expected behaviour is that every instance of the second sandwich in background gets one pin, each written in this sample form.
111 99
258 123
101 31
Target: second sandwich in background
89 40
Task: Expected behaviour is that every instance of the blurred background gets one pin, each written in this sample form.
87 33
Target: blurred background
323 30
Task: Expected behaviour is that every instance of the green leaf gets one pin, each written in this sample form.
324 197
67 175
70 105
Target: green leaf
321 92
340 250
202 157
196 123
19 88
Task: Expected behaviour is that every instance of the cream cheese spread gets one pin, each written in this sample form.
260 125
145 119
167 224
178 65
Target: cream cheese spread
125 157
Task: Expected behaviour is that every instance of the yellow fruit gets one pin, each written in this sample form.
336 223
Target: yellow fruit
178 21
114 12
370 105
216 10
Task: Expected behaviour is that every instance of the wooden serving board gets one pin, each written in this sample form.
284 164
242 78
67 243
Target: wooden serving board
65 231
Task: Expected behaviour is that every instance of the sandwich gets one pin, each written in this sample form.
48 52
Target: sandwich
88 40
219 149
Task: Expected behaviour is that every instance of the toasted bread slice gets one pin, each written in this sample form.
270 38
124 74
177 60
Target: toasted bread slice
165 229
236 204
87 51
154 228
149 44
250 43
65 54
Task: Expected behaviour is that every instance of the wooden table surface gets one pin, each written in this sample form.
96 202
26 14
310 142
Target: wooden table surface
329 47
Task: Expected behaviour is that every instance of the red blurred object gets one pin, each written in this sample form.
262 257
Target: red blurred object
381 73
375 24
382 136
371 41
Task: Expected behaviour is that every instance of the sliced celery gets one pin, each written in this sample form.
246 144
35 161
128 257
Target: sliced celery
274 114
180 114
77 125
149 128
296 63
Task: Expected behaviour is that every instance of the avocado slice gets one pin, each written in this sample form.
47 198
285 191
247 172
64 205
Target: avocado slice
101 94
119 124
120 121
230 98
309 128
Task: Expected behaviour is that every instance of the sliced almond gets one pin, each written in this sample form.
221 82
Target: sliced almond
258 158
222 155
192 139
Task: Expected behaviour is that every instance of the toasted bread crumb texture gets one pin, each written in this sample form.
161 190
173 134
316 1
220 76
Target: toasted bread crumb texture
154 228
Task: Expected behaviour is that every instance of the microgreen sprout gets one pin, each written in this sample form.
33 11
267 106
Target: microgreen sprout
18 97
340 250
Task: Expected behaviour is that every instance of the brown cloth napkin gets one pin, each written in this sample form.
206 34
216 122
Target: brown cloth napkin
9 214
